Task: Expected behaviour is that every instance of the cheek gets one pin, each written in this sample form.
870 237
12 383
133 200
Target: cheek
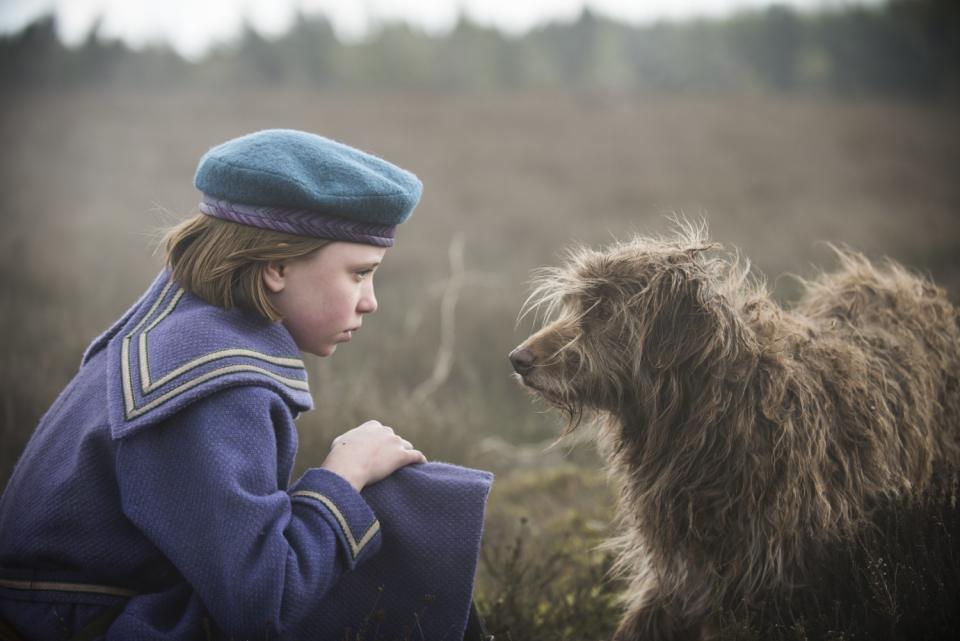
335 311
316 318
308 319
342 303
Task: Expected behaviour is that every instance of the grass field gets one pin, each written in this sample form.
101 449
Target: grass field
87 178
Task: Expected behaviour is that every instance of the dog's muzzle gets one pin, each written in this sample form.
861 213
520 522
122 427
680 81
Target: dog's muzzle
522 360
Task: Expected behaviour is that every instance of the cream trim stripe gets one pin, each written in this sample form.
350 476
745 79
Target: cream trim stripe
144 366
166 312
213 356
231 369
125 350
147 386
153 309
52 586
355 546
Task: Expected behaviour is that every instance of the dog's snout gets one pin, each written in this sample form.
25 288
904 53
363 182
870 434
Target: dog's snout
522 360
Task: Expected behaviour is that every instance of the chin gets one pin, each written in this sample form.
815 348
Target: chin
322 351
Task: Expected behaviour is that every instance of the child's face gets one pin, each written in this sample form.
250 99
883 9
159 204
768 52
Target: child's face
324 296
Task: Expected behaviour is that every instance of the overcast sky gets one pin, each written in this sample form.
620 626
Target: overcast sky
191 26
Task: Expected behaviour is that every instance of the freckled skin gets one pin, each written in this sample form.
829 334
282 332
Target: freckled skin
323 297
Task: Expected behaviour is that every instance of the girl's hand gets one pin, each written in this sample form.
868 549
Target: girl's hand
368 453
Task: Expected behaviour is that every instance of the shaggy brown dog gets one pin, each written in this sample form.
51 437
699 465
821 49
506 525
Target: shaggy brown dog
745 438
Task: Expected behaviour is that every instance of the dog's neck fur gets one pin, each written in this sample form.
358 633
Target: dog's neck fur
673 455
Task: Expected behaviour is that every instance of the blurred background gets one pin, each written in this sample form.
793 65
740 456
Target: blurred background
533 125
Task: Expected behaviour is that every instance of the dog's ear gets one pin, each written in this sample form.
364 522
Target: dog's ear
685 339
685 318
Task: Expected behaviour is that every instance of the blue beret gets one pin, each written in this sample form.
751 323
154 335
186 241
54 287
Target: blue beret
305 184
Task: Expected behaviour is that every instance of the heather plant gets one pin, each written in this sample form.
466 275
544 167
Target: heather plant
543 573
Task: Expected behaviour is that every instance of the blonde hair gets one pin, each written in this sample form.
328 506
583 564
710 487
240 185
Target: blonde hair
222 262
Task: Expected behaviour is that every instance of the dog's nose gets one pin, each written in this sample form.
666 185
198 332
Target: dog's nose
522 360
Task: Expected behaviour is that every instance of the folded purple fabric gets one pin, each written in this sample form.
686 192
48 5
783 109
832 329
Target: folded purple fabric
419 586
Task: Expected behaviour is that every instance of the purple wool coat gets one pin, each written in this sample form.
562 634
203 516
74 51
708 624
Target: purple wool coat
160 480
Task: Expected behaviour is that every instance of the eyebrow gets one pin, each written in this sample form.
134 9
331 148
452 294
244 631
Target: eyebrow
369 265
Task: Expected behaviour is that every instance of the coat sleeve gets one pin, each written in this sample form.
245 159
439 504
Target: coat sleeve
203 487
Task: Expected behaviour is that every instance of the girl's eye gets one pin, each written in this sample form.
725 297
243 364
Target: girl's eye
364 274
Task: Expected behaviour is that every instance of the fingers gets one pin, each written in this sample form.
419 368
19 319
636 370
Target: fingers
369 453
372 429
411 454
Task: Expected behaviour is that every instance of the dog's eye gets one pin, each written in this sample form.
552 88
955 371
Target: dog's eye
597 308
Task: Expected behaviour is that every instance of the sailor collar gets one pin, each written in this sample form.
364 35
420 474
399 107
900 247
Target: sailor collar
172 348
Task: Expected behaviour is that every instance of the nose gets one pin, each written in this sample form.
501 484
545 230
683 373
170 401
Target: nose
522 360
368 301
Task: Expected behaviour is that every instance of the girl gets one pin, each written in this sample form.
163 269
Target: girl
153 501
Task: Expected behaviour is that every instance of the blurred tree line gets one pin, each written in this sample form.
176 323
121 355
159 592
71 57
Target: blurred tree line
904 47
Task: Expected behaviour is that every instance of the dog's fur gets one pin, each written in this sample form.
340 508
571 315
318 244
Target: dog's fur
745 438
